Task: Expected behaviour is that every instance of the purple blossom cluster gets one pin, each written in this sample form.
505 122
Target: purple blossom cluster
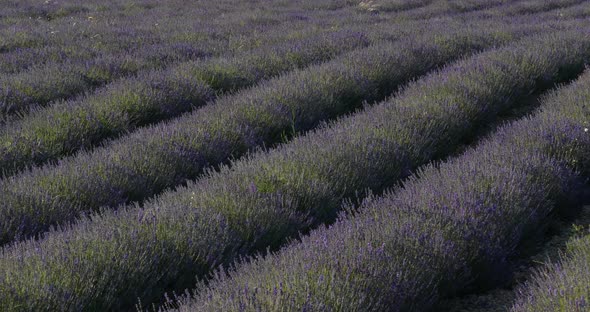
165 155
106 261
452 228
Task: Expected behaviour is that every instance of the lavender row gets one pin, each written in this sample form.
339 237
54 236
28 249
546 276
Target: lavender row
61 129
565 285
154 158
560 286
141 252
451 228
39 86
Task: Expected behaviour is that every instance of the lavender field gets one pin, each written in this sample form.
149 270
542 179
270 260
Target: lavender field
295 155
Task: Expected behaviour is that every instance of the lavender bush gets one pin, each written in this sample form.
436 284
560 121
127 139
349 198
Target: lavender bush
141 252
39 86
451 228
560 286
564 285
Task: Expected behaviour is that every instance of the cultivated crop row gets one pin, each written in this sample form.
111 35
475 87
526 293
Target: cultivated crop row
61 129
140 252
41 85
152 159
451 228
565 284
560 286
